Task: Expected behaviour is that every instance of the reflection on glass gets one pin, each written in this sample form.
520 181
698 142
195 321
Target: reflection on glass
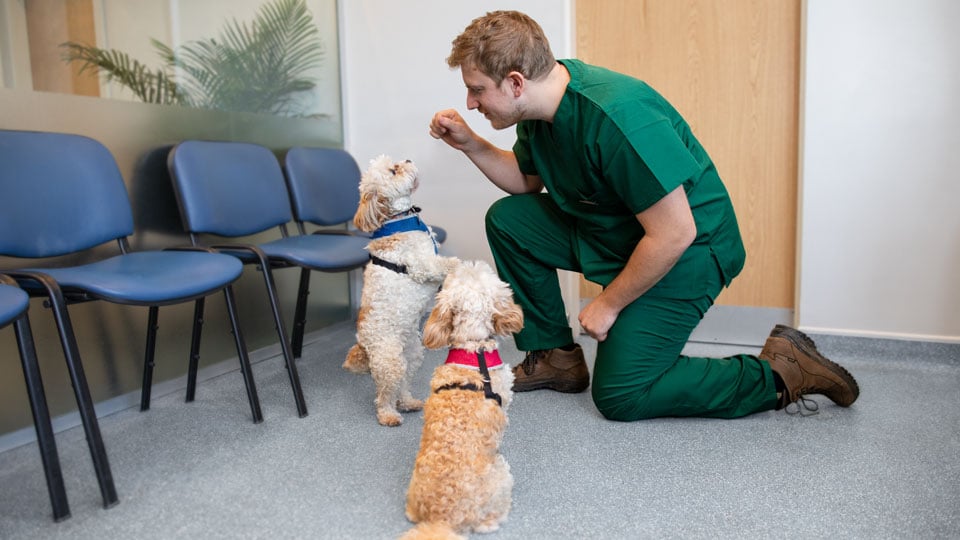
258 67
261 56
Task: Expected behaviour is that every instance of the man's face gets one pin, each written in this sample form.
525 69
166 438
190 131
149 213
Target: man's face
496 103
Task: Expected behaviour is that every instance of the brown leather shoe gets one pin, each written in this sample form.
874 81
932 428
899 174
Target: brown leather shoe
556 369
794 357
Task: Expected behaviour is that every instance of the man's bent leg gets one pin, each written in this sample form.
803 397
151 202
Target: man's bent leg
639 372
531 238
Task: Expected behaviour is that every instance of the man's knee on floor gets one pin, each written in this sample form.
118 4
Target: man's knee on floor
621 406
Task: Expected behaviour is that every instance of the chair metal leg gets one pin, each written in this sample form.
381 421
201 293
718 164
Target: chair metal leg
195 349
41 420
88 416
245 368
289 360
148 358
300 315
292 373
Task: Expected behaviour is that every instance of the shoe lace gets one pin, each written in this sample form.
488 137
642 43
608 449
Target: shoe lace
529 363
803 406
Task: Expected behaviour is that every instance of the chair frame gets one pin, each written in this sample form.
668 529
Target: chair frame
40 411
111 222
266 265
58 298
78 379
297 189
250 253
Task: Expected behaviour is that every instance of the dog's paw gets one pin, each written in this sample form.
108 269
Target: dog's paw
357 360
451 263
487 526
389 418
410 405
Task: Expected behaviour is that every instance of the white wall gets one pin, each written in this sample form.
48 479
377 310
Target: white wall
880 230
395 77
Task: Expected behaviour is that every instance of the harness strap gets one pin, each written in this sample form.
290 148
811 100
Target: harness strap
487 389
398 268
456 386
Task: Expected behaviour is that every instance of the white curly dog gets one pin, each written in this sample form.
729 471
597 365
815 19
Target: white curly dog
399 283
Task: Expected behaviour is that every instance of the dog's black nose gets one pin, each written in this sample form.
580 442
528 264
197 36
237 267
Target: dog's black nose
407 161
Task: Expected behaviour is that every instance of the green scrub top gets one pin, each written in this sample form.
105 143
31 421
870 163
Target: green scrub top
614 148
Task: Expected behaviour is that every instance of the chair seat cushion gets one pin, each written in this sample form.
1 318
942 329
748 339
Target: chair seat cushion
324 252
13 302
151 277
439 233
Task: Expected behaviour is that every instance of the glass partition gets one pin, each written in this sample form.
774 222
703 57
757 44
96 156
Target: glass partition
276 57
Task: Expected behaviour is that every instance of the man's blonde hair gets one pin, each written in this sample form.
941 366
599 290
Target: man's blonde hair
501 42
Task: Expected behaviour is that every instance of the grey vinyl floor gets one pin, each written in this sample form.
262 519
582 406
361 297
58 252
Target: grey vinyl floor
887 467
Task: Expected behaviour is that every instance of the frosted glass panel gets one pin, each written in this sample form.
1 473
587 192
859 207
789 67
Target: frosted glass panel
258 56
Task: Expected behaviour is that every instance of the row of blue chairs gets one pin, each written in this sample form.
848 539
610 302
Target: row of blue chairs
63 195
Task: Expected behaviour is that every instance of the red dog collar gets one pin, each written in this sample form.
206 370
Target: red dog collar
467 359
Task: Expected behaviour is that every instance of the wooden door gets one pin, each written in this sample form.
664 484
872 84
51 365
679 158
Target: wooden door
50 23
732 69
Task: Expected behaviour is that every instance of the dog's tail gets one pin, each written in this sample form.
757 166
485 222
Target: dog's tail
432 531
357 360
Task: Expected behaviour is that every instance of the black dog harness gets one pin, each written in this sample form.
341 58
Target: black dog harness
487 389
398 268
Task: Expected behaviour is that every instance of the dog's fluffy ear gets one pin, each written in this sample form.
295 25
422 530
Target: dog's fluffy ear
439 326
371 213
507 319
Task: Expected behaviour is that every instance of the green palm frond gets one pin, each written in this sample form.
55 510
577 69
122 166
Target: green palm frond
256 67
150 86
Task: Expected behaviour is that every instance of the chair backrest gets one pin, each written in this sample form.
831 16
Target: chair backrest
228 188
324 184
59 193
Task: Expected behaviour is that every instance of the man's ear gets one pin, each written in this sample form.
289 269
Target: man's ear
517 82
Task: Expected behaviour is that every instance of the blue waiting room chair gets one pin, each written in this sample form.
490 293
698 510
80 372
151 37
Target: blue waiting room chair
63 195
324 191
235 189
14 304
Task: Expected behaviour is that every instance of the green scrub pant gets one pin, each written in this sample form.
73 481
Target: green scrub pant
639 371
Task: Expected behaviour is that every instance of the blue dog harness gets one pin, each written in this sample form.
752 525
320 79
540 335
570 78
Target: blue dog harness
401 225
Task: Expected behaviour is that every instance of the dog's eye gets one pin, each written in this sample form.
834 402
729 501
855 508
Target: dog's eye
393 170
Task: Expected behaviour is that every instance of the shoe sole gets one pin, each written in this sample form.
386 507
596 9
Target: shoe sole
804 343
565 387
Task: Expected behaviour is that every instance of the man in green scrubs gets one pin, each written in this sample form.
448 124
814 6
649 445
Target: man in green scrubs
634 203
